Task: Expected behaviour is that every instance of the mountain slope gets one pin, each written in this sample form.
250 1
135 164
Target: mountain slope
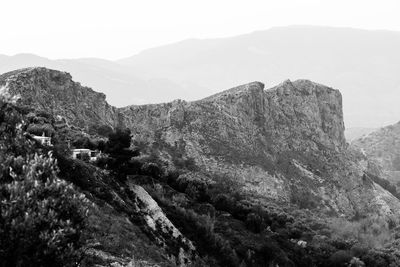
283 144
383 146
245 177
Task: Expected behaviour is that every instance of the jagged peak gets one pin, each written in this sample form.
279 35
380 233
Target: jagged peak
35 72
302 85
238 90
57 76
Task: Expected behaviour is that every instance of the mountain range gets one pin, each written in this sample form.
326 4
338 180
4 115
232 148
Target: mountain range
363 64
249 176
286 142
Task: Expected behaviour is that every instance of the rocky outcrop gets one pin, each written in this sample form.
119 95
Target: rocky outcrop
282 144
165 231
298 115
55 92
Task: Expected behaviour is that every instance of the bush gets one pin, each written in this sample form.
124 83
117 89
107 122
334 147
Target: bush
41 215
151 169
102 130
84 142
255 222
340 258
271 253
39 129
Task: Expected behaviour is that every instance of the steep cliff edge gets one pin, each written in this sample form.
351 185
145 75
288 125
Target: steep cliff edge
56 93
283 144
299 115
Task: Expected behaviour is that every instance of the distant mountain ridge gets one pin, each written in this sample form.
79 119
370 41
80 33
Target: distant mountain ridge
364 64
118 82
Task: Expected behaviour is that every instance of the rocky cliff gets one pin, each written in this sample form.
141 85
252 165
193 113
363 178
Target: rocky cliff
283 144
56 93
222 181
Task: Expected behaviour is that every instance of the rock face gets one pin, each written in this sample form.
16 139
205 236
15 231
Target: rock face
298 115
282 144
383 148
158 222
55 92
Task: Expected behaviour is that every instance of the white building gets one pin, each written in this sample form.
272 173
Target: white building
78 153
44 140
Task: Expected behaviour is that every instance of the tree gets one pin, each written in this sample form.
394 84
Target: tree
120 153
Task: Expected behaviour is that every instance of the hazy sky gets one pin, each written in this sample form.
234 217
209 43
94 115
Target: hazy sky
118 28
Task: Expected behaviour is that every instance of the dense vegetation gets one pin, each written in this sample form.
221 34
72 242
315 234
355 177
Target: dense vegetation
233 232
43 220
41 215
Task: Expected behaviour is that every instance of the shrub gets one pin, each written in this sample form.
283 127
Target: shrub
340 258
223 202
254 222
39 129
84 142
271 253
41 216
102 130
151 169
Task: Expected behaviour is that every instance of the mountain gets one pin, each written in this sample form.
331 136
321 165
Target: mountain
286 142
363 64
118 82
56 93
246 177
283 144
383 146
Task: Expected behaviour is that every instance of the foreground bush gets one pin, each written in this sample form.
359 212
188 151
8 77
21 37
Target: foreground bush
41 216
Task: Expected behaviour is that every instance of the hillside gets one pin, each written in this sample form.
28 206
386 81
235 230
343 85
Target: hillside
285 143
383 147
246 177
269 139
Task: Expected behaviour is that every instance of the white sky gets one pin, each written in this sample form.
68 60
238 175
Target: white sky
121 28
